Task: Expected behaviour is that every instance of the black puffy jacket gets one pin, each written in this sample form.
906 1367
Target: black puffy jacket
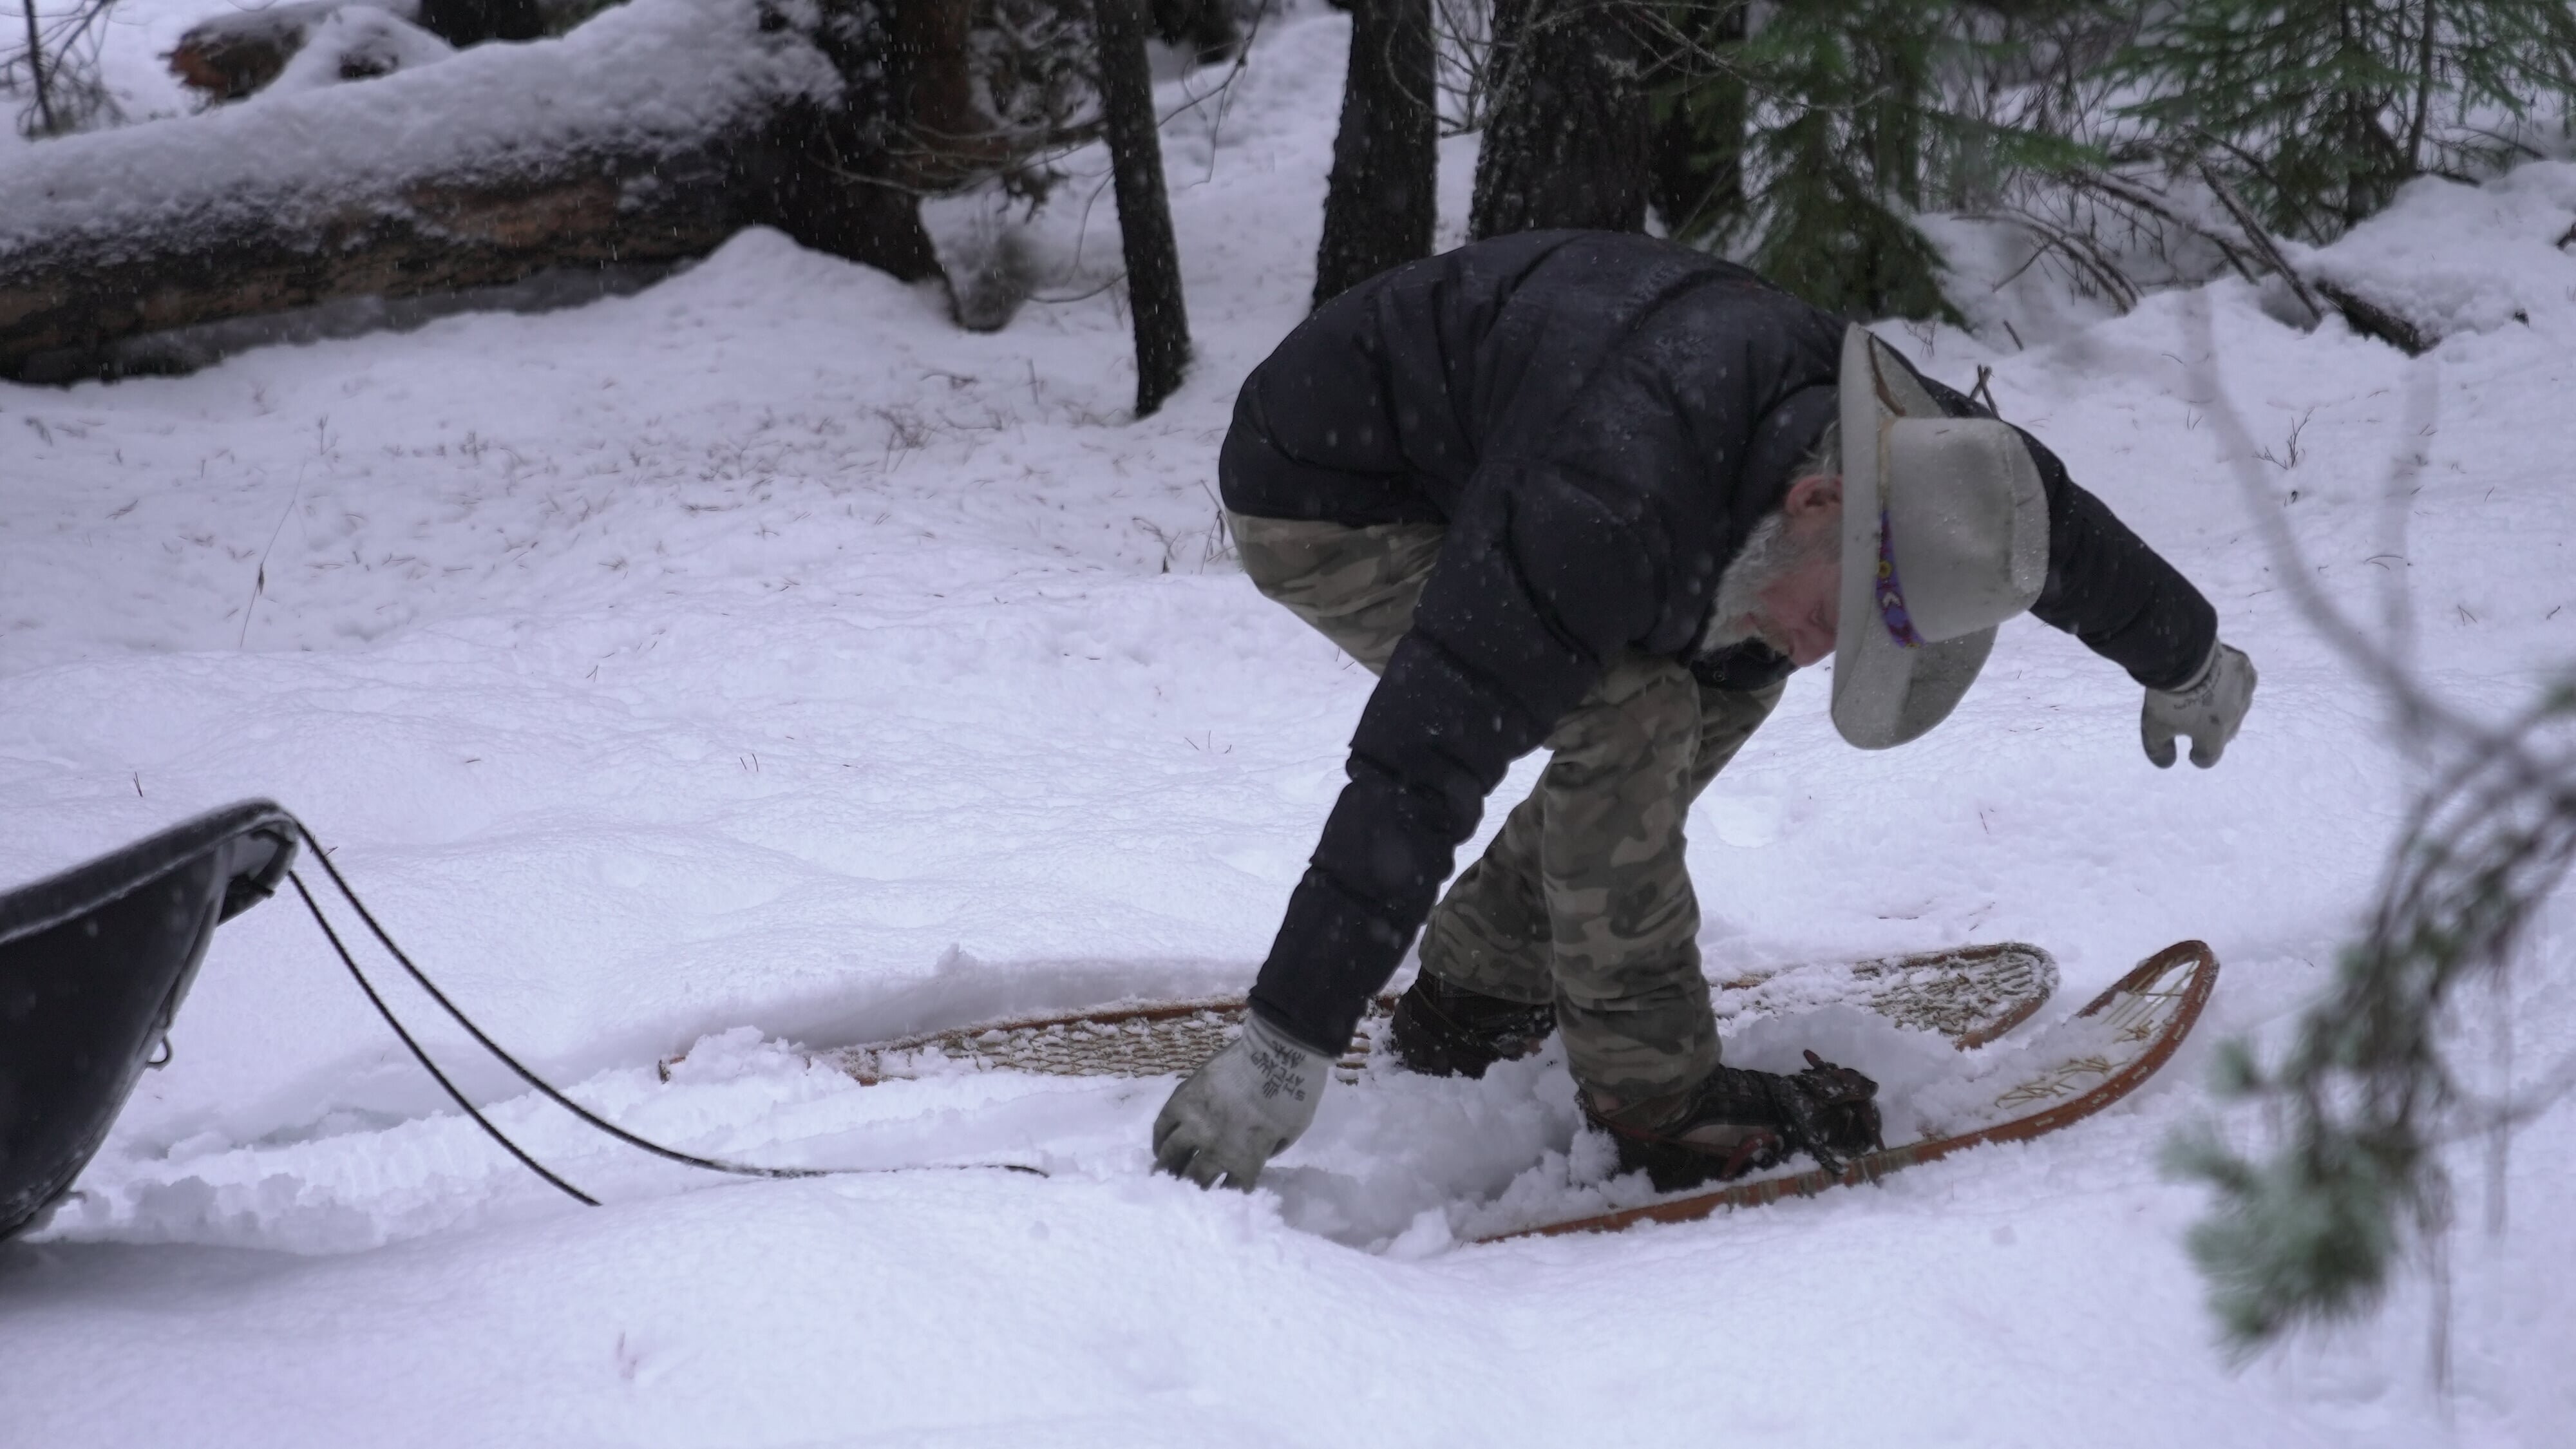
1599 418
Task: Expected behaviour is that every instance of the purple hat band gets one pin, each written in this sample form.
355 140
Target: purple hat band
1891 594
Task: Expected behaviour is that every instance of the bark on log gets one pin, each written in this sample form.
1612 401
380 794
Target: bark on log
138 237
57 310
2372 320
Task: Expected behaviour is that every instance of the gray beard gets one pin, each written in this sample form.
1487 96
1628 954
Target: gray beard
1769 554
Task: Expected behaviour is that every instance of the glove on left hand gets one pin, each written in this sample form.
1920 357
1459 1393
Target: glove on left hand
2209 709
1241 1109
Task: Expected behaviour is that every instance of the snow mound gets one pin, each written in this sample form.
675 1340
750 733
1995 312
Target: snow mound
357 42
2449 258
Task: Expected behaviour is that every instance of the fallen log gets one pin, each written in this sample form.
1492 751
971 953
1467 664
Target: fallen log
2372 320
650 134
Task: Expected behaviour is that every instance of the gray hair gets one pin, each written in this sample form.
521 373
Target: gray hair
1769 553
1825 459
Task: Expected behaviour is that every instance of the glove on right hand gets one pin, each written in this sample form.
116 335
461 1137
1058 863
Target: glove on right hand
1241 1109
2209 709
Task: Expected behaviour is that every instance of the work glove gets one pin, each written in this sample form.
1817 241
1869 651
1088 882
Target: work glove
2209 709
1240 1109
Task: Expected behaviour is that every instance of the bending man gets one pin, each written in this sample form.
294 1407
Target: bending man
1603 493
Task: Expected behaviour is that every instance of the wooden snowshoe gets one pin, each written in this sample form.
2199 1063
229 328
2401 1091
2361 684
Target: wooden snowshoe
2060 1077
1972 994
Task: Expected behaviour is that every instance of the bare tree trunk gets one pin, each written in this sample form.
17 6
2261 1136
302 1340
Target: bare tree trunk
1144 212
36 68
1382 202
1568 146
1207 27
933 87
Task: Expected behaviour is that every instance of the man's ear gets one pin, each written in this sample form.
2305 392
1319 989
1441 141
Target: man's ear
1813 495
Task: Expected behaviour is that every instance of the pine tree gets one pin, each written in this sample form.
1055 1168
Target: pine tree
2318 110
2368 1092
2346 1172
1845 112
1809 141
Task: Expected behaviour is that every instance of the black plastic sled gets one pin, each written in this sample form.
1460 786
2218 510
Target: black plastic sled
93 964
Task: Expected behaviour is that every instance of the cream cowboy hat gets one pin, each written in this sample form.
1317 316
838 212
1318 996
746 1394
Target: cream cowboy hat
1945 536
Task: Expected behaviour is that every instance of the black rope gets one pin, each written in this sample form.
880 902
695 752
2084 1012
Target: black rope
369 987
593 1119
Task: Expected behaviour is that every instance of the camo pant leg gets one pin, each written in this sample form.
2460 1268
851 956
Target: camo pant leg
1585 899
1357 585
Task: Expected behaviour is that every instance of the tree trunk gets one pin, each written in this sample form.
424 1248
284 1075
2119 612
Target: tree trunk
1144 213
1568 146
932 83
1383 201
1206 27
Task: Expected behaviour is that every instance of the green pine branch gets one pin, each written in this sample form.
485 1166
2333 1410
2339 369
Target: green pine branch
2321 109
2311 1230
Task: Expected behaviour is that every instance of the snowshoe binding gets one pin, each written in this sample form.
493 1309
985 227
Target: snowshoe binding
1737 1121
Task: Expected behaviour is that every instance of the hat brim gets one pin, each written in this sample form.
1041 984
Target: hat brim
1885 692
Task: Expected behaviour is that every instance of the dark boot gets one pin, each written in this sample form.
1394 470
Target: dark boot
1737 1121
1441 1030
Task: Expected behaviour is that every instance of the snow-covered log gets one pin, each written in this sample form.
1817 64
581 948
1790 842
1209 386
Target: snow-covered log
652 133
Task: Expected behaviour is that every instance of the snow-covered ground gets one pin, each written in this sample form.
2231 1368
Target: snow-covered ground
759 663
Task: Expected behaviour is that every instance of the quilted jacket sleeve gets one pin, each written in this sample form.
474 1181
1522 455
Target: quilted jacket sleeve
2105 586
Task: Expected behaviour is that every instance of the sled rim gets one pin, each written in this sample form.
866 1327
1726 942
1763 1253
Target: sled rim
96 961
2202 965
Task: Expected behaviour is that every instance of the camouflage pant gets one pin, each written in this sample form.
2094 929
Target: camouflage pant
1584 899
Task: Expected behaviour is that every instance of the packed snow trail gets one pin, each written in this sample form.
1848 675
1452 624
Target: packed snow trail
758 662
